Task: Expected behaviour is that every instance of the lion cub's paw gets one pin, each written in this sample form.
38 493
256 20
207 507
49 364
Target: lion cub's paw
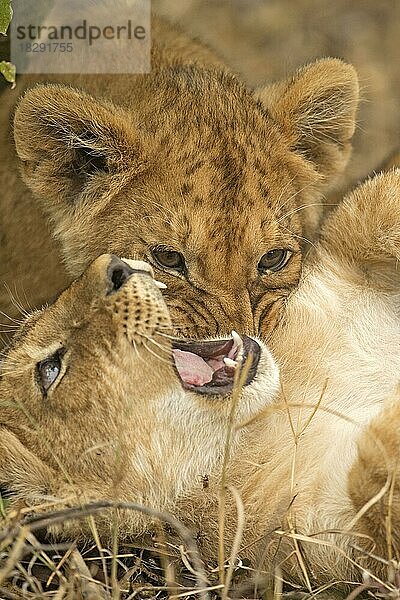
375 478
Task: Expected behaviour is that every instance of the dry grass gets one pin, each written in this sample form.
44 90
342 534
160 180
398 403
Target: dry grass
32 567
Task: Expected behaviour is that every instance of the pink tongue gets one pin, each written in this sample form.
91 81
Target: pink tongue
192 368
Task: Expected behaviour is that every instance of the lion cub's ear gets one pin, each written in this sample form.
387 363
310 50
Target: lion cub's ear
317 108
64 137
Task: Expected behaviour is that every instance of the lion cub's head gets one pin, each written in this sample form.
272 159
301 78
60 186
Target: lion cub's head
99 401
219 188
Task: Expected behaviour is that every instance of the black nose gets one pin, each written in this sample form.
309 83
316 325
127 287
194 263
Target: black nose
118 273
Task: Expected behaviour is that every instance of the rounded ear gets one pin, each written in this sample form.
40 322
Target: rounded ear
65 137
316 109
363 230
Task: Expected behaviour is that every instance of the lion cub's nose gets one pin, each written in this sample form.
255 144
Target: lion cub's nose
118 272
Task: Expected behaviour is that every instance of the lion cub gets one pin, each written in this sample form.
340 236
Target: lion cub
99 401
219 187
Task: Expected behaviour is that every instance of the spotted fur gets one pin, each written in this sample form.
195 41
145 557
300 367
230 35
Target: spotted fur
186 157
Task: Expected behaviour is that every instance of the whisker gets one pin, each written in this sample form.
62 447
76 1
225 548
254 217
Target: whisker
15 300
298 209
166 335
296 193
15 372
5 340
156 355
12 363
6 348
166 327
18 321
136 350
165 349
167 213
283 192
299 237
28 304
160 346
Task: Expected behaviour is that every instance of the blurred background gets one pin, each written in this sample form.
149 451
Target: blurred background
265 40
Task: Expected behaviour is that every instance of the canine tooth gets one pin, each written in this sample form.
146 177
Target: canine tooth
160 284
230 363
236 338
139 265
237 343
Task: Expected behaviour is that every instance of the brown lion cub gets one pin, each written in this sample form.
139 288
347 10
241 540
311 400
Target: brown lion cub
98 401
216 185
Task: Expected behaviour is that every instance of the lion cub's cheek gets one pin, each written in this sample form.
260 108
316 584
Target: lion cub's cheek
259 396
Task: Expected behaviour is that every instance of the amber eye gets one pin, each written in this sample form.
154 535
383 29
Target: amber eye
48 370
273 261
169 259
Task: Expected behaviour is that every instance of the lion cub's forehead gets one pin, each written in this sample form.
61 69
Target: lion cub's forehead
40 334
192 96
22 335
220 206
46 330
226 171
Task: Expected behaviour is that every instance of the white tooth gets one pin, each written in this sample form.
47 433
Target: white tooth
239 356
139 265
230 363
160 284
237 343
236 338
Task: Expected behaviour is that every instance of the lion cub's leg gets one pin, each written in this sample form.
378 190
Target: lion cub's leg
364 231
30 477
34 485
376 475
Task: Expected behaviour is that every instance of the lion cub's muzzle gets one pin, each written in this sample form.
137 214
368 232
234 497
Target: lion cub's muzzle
134 298
119 271
207 367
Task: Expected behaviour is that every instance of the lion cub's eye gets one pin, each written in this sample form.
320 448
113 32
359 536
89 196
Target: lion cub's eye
168 258
273 261
48 370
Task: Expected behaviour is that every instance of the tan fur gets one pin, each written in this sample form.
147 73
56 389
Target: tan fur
185 157
117 381
391 161
119 425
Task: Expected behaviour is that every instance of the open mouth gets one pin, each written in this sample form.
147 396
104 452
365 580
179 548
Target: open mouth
209 367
